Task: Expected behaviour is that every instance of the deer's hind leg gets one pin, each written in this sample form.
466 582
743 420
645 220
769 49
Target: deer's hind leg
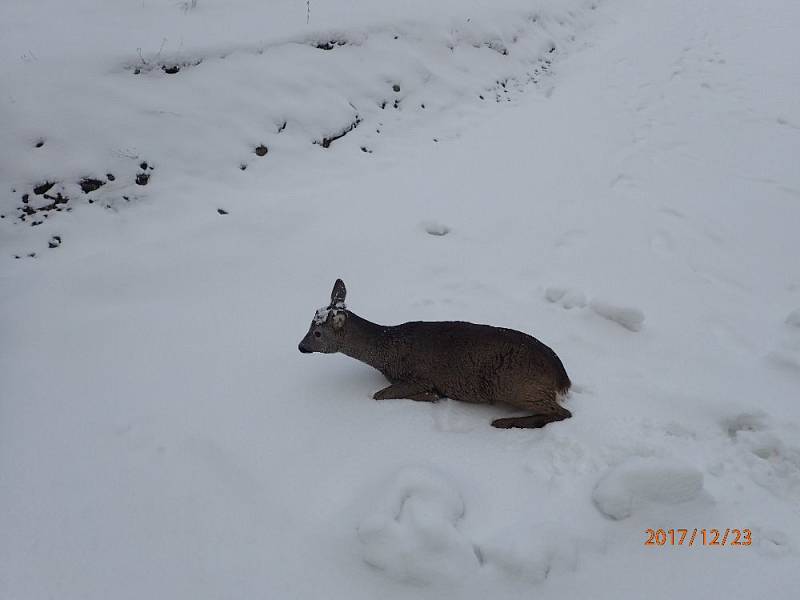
541 402
408 391
558 413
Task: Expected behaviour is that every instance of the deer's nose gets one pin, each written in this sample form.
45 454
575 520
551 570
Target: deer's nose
303 349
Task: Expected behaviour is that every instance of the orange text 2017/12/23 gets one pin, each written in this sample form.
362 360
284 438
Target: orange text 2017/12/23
698 537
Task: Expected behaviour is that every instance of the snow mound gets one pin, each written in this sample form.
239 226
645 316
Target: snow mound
629 317
640 481
411 534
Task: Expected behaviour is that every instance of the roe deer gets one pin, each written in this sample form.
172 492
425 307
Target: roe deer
429 360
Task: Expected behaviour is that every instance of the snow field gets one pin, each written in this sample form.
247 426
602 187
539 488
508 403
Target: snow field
160 435
165 120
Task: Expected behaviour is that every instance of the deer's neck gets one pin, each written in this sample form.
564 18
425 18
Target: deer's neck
367 341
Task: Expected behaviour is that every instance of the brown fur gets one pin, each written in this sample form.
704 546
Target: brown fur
454 359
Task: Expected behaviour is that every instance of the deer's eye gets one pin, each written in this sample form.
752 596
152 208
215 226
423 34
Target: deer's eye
317 334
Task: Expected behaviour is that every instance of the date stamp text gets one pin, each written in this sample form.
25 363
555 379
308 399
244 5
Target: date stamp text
698 537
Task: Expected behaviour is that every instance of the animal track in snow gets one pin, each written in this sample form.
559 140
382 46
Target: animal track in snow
628 317
637 482
793 318
412 533
786 354
751 421
786 357
662 244
565 297
772 543
435 228
765 456
771 462
529 552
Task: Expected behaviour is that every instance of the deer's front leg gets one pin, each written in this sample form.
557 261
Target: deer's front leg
410 391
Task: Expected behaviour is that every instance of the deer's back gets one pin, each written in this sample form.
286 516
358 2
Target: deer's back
475 363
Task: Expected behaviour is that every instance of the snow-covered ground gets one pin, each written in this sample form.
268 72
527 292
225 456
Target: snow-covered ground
618 178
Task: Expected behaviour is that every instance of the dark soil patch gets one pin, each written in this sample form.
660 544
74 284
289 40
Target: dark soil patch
261 150
142 178
330 44
170 68
43 188
326 142
57 200
222 211
89 184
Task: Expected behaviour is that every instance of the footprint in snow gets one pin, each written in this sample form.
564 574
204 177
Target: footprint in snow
747 421
787 353
770 542
628 317
565 297
529 552
412 533
764 454
435 228
662 244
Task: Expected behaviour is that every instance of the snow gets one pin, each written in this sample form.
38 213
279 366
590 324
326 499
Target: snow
639 481
568 298
629 317
530 553
565 297
321 315
412 533
566 168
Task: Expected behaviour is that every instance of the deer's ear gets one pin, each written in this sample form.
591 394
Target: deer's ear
338 293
